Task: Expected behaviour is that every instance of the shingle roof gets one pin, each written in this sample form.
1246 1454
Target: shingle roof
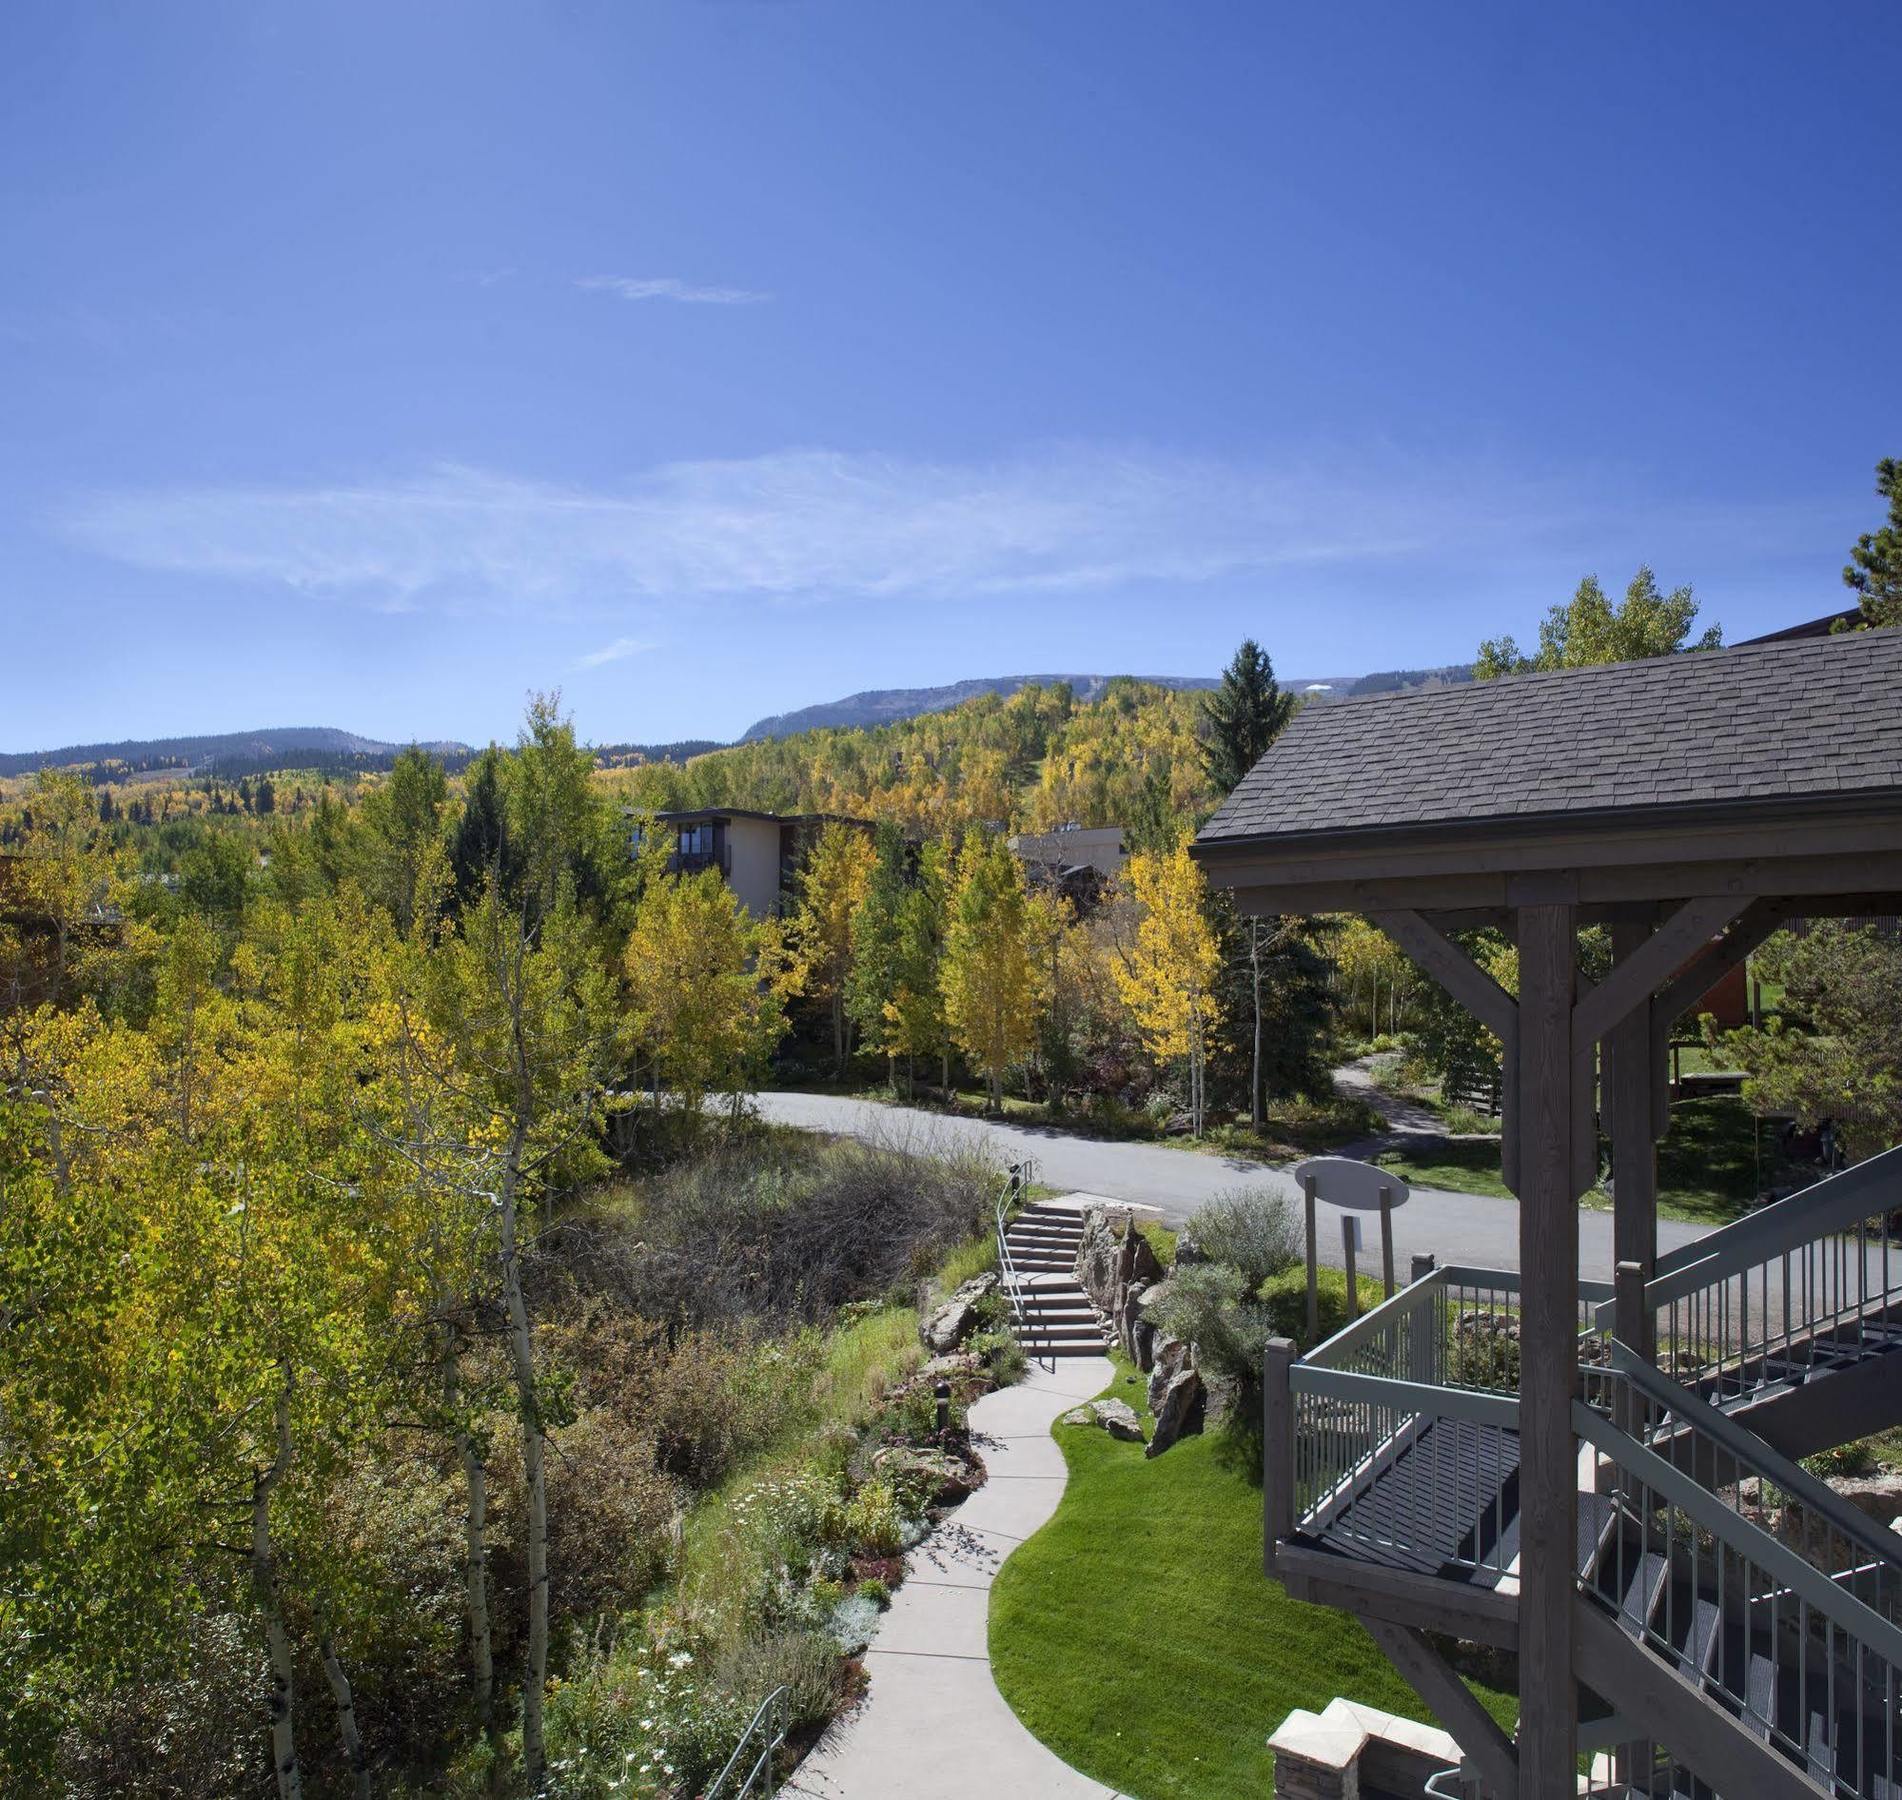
1810 717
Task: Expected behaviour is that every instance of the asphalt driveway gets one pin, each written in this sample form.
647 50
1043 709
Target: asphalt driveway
1462 1228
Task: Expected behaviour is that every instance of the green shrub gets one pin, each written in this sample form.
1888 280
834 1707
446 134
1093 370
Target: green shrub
876 1591
1253 1230
1848 1460
647 1719
1003 1356
804 1663
1285 1299
1210 1306
1160 1239
874 1522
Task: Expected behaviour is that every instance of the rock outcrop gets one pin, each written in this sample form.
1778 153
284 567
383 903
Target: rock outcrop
956 1319
1183 1404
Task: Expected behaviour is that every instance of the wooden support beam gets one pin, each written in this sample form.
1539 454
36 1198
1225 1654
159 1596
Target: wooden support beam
1669 1709
1452 968
1548 1374
1452 1702
1632 1080
1277 1448
1370 1591
1752 926
1655 960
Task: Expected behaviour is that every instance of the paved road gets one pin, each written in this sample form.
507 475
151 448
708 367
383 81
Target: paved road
1463 1228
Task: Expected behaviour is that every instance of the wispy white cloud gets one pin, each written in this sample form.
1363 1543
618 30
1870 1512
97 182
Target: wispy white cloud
619 650
803 525
667 287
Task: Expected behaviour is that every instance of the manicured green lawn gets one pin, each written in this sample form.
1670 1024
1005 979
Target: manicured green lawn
1136 1635
1464 1168
1712 1164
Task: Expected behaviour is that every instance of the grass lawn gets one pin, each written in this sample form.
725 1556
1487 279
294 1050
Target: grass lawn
1464 1168
1712 1164
1136 1635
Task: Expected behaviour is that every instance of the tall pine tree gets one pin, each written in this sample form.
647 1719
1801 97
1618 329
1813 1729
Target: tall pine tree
1243 716
1875 571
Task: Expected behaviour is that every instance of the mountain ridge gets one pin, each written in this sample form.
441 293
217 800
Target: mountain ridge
890 706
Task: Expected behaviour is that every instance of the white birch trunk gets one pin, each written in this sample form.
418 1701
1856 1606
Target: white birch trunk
475 1559
346 1716
1254 1083
522 1356
290 1781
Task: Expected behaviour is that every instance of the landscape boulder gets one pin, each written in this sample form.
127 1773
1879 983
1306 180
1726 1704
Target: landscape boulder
1117 1417
1098 1254
1181 1410
1144 1332
1133 1328
956 1319
937 1477
1168 1359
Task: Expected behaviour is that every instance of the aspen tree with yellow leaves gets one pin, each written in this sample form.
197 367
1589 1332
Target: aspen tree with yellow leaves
703 1016
1167 977
992 984
832 887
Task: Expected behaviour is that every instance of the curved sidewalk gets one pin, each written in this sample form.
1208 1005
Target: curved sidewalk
934 1726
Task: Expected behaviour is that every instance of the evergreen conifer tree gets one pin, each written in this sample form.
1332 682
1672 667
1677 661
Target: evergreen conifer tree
1243 716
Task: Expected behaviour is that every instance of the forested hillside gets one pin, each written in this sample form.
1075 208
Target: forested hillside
1034 760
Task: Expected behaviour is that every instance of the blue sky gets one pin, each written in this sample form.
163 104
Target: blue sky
370 364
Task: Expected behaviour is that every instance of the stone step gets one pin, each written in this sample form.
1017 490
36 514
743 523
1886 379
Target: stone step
1062 1307
1055 1239
1062 1334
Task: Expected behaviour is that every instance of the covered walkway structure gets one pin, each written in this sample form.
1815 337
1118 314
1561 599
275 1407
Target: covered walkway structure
1691 805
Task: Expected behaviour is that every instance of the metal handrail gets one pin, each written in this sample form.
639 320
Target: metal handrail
1750 1306
1736 1533
751 1763
1756 1459
1016 1183
1776 1627
1829 1206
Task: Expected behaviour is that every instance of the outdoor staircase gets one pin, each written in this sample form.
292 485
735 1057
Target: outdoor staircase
1738 1624
1054 1314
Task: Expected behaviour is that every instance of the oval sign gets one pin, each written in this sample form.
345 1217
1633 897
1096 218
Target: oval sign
1341 1181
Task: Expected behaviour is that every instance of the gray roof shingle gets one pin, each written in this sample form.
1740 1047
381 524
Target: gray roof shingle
1809 717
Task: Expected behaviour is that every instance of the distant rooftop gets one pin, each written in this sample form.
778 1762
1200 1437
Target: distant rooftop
1796 719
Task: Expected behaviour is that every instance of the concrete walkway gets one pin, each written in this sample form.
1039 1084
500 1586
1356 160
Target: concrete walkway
1457 1228
934 1726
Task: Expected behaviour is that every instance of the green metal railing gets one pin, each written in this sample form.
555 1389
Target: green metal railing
749 1773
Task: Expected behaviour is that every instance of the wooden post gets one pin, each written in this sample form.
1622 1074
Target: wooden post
1548 1377
1423 1328
1349 1223
1277 1448
1386 1239
1314 1277
1632 1113
1628 1302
